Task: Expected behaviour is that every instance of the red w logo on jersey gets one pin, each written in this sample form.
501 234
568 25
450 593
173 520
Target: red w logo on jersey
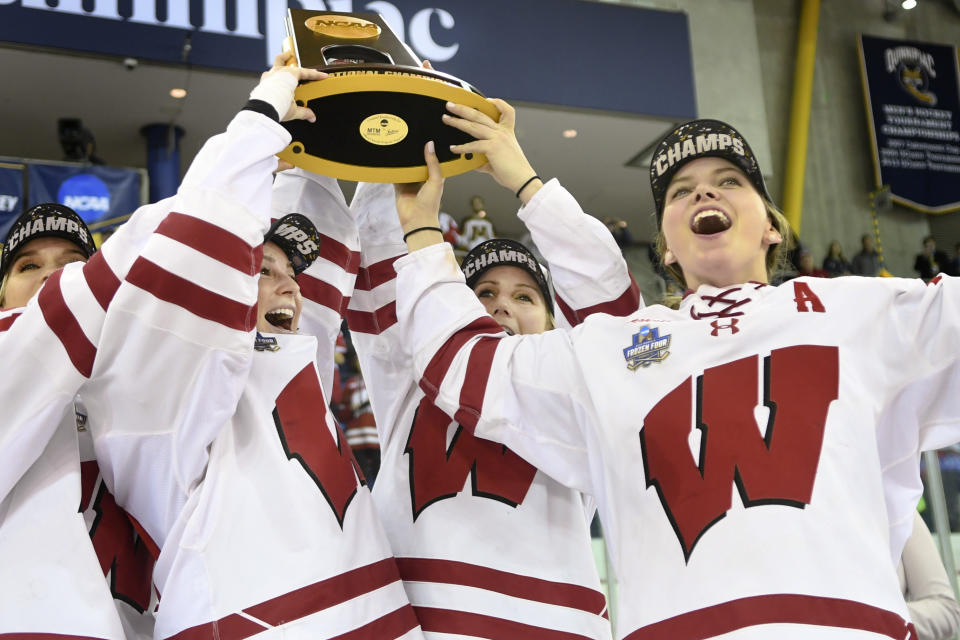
122 554
301 419
776 465
438 471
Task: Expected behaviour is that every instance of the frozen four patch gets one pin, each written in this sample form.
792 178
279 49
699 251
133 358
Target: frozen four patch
647 348
265 343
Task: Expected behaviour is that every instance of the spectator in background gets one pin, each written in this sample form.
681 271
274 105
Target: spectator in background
806 266
923 581
619 231
836 264
477 227
952 267
867 262
930 262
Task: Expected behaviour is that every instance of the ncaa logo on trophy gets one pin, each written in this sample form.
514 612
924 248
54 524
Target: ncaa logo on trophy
377 108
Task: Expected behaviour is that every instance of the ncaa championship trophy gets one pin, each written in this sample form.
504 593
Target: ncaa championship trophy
377 108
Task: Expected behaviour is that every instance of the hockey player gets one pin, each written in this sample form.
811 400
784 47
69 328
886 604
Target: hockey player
233 465
487 546
51 582
754 454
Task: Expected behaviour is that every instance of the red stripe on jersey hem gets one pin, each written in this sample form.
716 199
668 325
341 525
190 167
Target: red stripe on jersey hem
45 636
339 254
561 594
481 626
64 325
323 293
627 303
373 323
200 302
101 279
212 241
393 625
441 361
326 593
231 627
5 323
369 278
304 602
777 609
475 384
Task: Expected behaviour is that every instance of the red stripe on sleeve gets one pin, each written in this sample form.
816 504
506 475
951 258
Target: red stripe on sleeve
777 609
393 625
475 385
627 303
211 240
561 594
376 274
6 323
475 624
437 369
375 322
185 294
101 279
64 325
339 254
321 292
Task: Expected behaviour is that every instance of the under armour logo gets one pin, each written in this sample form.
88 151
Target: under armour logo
717 327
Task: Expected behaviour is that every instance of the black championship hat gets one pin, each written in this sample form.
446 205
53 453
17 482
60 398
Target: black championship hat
298 238
47 219
502 252
701 139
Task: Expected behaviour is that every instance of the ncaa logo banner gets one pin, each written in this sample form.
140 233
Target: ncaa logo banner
95 193
912 91
11 195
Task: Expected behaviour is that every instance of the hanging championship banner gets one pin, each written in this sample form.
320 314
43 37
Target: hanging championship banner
912 90
11 195
96 193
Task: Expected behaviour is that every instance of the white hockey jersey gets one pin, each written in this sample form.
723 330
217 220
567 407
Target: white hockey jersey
754 454
487 546
52 582
236 472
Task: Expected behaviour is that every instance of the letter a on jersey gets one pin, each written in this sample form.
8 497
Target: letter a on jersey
774 465
301 419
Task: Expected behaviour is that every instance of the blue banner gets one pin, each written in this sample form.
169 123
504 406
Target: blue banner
11 196
912 91
95 193
573 53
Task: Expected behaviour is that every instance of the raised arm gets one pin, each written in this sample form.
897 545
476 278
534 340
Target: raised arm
178 336
587 267
326 286
526 392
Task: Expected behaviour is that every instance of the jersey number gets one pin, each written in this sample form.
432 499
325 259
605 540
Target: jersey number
122 554
301 419
438 471
773 465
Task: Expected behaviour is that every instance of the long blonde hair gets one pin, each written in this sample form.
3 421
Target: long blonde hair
777 254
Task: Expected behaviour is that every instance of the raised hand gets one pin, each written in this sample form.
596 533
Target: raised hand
498 141
418 204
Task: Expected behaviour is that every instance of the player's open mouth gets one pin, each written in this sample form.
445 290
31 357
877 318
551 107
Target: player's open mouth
709 221
508 330
281 318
